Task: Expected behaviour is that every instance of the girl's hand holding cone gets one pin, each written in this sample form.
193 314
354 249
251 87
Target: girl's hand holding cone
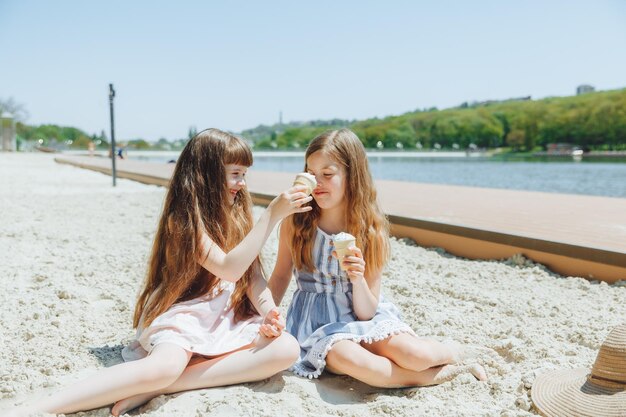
354 264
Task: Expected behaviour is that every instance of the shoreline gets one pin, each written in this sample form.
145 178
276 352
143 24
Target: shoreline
572 234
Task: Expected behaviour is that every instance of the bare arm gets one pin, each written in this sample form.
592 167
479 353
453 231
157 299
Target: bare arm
365 297
261 298
281 275
231 266
259 293
365 290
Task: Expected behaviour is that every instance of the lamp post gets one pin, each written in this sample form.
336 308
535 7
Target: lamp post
113 154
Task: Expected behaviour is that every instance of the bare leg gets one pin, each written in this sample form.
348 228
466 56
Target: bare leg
413 353
352 359
159 369
251 363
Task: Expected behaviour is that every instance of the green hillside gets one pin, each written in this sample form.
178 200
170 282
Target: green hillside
592 121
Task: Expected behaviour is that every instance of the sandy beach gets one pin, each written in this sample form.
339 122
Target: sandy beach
73 251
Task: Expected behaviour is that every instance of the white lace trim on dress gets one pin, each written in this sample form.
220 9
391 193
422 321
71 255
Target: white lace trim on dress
318 352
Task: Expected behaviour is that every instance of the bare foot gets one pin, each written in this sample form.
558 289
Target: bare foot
463 353
478 371
449 372
130 403
456 351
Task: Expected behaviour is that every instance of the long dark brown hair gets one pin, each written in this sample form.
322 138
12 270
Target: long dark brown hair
364 217
196 203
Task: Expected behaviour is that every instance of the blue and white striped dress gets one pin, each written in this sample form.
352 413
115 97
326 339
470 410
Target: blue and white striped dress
320 313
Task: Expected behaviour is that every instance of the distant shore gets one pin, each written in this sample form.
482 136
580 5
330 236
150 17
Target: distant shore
555 174
586 155
391 153
299 153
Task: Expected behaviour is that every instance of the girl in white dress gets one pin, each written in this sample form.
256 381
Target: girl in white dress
204 295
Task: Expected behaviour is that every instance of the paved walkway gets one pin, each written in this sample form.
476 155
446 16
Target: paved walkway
572 234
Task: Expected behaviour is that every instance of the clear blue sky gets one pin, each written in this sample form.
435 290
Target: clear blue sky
236 64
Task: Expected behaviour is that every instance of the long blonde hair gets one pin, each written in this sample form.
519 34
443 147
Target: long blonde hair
364 217
196 203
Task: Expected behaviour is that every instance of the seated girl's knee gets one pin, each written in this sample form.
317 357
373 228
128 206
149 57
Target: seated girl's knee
287 348
342 359
160 375
163 369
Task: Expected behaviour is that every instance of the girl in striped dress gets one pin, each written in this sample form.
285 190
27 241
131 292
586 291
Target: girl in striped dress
340 319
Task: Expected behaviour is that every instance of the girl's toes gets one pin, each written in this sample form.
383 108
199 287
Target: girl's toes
479 372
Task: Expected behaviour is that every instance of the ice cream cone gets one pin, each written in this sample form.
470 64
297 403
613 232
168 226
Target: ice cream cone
307 180
342 241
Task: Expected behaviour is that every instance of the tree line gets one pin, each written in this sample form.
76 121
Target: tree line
592 121
71 137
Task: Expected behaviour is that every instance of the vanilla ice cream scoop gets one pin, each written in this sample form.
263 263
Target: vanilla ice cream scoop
306 179
343 236
342 241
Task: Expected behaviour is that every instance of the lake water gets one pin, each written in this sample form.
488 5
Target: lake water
562 175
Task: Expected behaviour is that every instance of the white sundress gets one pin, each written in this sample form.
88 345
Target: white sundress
320 313
204 326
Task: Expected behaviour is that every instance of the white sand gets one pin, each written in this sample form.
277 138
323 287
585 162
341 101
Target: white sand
72 257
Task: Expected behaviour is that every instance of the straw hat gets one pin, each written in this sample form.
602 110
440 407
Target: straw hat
576 392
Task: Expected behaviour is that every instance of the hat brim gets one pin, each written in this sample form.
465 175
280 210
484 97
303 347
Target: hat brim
568 393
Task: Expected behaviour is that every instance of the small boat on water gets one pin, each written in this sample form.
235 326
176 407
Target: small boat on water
562 149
